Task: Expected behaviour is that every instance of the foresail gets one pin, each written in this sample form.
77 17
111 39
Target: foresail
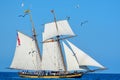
63 29
72 63
51 59
83 58
26 54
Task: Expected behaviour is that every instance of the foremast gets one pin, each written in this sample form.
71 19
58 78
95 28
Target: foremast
58 41
27 53
33 32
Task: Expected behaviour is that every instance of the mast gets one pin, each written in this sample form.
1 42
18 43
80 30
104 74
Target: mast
58 40
33 31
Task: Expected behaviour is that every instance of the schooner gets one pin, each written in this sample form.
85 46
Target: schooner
60 58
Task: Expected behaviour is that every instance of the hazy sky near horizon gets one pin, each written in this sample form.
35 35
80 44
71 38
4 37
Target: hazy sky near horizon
99 37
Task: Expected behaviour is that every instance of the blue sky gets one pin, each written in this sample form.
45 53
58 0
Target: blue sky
99 37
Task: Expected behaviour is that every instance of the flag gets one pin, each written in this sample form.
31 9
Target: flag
18 39
52 11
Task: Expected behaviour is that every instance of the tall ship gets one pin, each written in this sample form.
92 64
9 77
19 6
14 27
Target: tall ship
59 59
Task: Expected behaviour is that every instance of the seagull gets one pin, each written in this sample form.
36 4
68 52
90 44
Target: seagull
68 17
84 22
22 15
77 6
22 5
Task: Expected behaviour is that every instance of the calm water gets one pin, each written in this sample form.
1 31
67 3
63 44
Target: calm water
14 76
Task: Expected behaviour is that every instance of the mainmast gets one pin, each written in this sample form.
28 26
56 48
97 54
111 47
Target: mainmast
33 31
58 40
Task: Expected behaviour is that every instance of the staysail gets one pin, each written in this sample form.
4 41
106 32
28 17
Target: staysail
26 54
72 63
51 59
83 58
63 28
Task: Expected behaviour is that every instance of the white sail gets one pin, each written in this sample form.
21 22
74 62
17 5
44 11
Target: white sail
72 63
83 58
63 28
51 59
26 54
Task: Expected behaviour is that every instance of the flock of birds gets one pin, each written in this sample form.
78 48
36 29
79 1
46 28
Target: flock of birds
67 17
81 23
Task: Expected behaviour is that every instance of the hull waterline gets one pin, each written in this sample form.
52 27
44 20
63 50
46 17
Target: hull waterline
76 75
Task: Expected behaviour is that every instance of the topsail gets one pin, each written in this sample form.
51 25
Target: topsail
52 31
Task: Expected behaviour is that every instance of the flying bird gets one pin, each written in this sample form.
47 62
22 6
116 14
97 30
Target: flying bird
68 17
84 22
22 5
77 6
22 15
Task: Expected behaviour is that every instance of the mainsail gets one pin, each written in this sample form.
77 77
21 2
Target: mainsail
83 58
52 53
63 28
51 59
26 54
